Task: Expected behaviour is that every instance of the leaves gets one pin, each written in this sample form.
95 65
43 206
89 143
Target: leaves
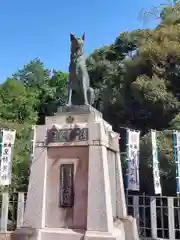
139 86
16 102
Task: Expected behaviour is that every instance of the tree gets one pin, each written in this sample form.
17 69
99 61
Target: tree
35 77
58 83
139 85
17 102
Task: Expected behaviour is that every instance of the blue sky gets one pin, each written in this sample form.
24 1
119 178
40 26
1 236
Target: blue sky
40 28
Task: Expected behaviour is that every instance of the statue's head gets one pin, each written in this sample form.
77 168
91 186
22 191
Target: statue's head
77 44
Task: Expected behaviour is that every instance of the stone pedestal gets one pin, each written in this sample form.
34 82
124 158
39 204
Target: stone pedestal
78 136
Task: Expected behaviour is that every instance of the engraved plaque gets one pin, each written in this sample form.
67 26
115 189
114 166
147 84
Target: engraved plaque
68 135
66 185
63 135
52 135
83 134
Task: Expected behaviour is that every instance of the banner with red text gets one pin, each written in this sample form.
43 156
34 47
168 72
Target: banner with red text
7 139
156 172
133 160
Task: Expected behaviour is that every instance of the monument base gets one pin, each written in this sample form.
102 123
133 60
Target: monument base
124 229
79 137
66 234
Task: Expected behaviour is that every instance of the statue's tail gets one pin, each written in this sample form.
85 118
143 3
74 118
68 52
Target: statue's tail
90 95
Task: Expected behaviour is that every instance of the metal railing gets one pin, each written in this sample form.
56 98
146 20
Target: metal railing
157 217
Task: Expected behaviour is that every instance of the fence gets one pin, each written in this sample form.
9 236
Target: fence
11 211
157 217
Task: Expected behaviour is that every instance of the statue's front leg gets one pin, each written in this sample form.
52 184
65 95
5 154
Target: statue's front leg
85 92
70 97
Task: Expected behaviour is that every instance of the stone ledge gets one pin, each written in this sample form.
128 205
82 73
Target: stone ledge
47 234
65 234
130 228
116 234
5 235
81 109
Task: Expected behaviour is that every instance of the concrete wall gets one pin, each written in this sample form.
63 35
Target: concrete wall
5 236
112 176
75 217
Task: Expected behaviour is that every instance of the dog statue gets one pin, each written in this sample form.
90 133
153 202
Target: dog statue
79 92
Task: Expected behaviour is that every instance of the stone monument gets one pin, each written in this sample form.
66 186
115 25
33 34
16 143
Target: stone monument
76 186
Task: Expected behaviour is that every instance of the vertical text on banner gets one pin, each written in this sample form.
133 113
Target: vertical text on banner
133 160
33 142
8 139
176 148
156 173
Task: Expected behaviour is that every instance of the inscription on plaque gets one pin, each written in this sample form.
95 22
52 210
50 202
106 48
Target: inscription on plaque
68 135
66 185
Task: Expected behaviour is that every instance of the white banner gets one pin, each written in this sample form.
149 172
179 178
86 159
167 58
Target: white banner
133 160
177 160
9 136
156 174
33 143
8 139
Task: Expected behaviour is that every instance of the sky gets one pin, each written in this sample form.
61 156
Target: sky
40 28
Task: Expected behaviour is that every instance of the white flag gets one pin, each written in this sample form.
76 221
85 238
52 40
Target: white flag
8 139
177 160
9 136
133 160
156 174
33 143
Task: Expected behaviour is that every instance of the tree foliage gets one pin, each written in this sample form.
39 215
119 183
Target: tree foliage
141 88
